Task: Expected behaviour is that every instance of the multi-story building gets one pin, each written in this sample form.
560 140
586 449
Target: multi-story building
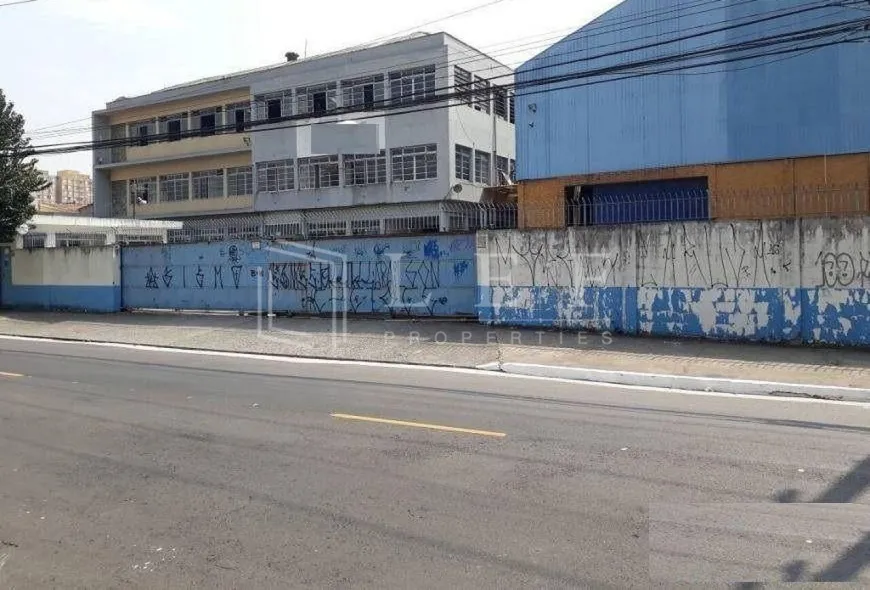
373 131
72 187
46 195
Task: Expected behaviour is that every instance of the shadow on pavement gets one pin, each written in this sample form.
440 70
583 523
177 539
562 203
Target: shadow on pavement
850 563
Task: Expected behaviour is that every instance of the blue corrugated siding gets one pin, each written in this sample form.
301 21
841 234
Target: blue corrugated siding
785 106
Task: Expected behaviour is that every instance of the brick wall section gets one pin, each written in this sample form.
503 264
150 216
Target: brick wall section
745 190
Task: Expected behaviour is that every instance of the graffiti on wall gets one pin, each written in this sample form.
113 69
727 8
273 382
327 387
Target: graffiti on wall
725 256
844 270
426 276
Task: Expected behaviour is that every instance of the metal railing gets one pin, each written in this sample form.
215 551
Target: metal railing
831 200
386 220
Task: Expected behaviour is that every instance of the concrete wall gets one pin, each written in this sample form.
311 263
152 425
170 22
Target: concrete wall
78 279
425 276
772 281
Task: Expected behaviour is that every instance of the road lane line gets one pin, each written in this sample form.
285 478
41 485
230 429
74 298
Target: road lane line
2 374
419 425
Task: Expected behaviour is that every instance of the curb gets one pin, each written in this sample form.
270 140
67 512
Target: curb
709 384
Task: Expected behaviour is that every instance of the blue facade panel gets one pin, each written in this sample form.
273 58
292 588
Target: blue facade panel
575 117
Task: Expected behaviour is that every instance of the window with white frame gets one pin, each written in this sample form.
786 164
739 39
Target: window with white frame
238 117
413 84
273 106
319 172
174 187
240 181
208 184
143 190
463 83
500 104
278 175
414 163
481 167
463 162
481 95
143 130
316 100
172 126
367 92
360 169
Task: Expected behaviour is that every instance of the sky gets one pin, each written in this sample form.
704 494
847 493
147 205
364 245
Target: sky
64 59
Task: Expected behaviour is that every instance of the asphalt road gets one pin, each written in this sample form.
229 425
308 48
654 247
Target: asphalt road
139 469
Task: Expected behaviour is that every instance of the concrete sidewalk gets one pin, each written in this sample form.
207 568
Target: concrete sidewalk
697 365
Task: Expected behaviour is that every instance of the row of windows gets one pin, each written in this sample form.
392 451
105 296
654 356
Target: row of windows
406 164
205 184
406 86
477 93
475 166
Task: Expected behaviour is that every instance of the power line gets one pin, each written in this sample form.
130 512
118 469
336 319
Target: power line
815 5
476 54
778 39
809 34
16 2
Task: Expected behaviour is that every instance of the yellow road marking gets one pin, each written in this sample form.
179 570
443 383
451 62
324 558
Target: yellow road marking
2 374
419 425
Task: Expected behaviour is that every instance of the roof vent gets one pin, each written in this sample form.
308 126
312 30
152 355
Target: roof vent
291 56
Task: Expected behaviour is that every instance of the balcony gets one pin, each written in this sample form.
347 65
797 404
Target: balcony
190 147
194 207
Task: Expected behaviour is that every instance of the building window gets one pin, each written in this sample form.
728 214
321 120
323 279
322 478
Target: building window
174 187
279 175
367 92
143 190
481 167
320 172
240 181
316 100
143 130
512 102
463 84
206 120
481 95
271 107
411 85
463 163
414 163
360 169
208 184
238 115
500 103
173 126
512 168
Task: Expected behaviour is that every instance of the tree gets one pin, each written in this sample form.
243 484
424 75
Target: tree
18 174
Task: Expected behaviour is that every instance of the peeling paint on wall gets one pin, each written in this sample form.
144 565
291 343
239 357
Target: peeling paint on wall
771 281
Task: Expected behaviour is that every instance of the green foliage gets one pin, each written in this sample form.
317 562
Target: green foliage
18 174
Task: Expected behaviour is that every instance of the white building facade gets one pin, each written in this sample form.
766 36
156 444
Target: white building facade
371 140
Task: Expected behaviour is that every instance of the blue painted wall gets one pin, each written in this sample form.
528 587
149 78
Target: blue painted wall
790 105
61 279
425 276
773 281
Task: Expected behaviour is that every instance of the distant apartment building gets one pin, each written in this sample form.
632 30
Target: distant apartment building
368 130
73 188
46 195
